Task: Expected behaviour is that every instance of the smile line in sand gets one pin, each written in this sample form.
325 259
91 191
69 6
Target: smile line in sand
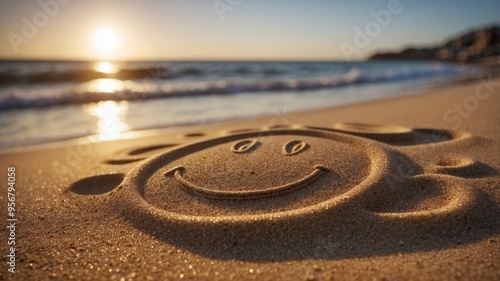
318 170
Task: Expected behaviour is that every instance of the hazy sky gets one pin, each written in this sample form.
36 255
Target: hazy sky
229 29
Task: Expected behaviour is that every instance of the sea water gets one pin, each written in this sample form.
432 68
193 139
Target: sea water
50 101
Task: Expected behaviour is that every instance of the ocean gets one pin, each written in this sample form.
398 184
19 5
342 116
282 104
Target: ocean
50 101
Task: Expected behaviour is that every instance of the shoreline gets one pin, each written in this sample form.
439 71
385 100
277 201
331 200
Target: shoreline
420 89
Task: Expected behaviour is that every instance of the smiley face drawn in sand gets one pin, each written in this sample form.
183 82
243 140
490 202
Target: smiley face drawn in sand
258 174
263 173
224 196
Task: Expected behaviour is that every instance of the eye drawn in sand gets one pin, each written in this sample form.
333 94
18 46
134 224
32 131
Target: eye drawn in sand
244 146
294 147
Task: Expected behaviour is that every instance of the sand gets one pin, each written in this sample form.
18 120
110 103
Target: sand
398 189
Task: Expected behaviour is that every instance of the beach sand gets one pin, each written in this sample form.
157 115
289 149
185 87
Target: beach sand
397 189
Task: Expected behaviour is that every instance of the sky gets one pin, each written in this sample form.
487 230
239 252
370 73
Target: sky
230 29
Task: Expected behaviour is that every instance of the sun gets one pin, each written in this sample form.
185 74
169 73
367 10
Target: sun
106 40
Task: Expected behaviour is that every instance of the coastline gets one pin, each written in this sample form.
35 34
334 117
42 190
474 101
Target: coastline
104 108
394 92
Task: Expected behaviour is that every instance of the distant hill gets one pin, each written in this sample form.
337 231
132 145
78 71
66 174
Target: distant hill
480 45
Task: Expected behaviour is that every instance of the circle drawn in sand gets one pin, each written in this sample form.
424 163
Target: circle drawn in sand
455 163
239 131
254 176
123 161
96 185
128 156
372 128
461 167
421 194
150 148
194 135
389 133
278 126
394 135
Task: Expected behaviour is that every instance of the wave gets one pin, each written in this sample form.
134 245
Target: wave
79 75
113 89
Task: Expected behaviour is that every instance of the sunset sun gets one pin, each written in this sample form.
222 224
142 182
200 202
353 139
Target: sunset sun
106 40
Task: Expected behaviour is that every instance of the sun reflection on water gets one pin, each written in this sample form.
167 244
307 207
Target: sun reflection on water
105 67
110 118
105 85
